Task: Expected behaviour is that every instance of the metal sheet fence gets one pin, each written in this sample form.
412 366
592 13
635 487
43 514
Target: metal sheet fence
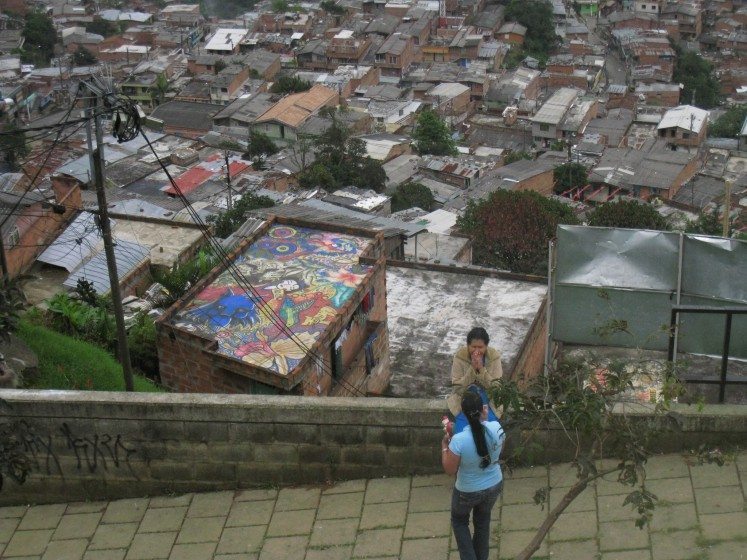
616 287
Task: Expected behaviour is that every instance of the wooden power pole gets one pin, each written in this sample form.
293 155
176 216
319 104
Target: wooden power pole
111 263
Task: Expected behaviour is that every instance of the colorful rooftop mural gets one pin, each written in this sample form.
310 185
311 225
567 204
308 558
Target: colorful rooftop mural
302 275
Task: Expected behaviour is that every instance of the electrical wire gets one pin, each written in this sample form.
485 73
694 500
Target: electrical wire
250 291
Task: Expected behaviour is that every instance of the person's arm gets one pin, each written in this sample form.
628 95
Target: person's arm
449 460
461 375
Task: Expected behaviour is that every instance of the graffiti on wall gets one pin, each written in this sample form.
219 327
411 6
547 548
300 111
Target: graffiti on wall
35 451
300 276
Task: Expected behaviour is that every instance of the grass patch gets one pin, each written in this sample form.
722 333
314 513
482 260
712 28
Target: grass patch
67 363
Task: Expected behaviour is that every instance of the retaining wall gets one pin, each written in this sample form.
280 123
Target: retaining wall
98 445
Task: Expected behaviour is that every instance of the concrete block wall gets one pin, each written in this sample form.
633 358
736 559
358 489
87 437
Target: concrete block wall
98 445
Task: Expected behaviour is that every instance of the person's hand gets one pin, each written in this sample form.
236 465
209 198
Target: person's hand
476 360
445 441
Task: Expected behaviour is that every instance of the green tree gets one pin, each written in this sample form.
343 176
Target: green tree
569 175
103 27
160 88
707 223
341 161
577 403
514 57
537 17
230 220
40 37
627 214
219 65
331 7
516 156
730 123
290 84
410 195
183 276
11 305
511 229
280 6
260 145
697 76
13 145
432 135
83 57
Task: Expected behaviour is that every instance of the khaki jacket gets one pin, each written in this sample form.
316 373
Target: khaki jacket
463 375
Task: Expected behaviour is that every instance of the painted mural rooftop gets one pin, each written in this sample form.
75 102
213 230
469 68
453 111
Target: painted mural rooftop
302 275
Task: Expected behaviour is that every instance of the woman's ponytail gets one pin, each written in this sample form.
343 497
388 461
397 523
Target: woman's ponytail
472 409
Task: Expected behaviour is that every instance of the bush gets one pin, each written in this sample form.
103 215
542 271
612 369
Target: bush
141 340
67 363
182 277
77 318
627 214
730 123
409 195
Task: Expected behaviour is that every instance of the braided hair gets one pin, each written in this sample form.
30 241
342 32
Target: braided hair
472 408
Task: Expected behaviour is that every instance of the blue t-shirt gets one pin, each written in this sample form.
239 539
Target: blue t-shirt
470 477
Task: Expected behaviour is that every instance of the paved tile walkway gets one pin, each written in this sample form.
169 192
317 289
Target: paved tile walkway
701 515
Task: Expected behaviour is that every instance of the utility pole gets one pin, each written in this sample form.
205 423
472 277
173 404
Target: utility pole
106 234
228 179
3 259
727 208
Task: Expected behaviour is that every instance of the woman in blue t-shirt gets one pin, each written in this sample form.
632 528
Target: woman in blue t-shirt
473 456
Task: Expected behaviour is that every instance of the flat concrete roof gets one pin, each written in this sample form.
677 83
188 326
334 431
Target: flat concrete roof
430 313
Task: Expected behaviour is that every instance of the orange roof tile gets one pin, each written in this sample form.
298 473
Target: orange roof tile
294 109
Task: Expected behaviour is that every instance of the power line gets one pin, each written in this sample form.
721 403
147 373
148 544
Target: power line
254 296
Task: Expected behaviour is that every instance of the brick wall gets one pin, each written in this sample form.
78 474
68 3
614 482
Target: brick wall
97 445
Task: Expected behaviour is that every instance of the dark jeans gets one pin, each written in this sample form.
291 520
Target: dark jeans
473 547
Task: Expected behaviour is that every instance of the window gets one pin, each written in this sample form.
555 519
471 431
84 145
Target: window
544 127
685 135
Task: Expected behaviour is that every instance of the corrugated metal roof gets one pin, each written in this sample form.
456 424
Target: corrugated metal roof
318 211
74 245
128 256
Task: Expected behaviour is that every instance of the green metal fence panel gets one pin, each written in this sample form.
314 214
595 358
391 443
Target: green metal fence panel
606 276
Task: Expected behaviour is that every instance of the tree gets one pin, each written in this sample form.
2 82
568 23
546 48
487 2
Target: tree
219 65
83 57
516 156
707 223
260 145
13 145
537 17
627 214
11 305
730 123
230 220
568 176
102 27
160 88
698 78
514 57
183 276
40 37
411 194
280 6
432 135
341 161
290 84
576 403
511 229
331 7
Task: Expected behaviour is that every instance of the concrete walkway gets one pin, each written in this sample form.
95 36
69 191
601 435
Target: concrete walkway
701 515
